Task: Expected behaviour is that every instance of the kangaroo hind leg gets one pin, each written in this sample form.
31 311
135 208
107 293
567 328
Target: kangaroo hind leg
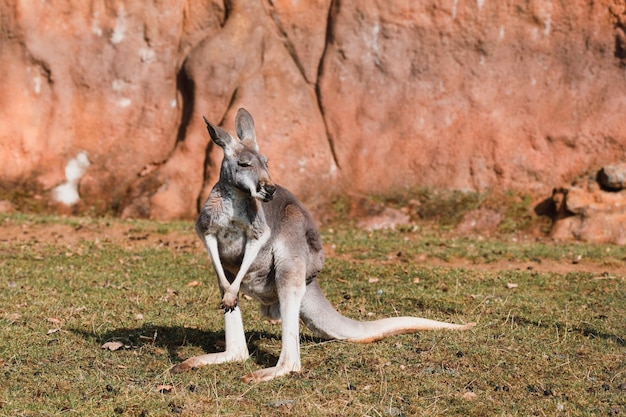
236 348
291 287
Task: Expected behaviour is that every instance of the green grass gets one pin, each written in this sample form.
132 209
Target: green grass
554 345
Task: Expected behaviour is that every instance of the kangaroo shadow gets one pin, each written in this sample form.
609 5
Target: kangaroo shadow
173 338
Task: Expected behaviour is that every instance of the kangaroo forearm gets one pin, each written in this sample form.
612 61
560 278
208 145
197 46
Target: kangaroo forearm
211 245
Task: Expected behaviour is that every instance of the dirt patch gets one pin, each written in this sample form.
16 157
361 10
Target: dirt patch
131 235
604 268
100 231
544 266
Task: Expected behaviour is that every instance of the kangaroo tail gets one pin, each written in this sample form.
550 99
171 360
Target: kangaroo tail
321 317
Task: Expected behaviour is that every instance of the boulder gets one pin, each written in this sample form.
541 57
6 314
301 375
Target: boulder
589 213
613 177
607 228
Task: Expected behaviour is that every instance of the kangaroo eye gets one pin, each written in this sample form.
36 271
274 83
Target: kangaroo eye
244 164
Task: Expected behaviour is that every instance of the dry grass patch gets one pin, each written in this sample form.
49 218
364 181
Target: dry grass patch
552 344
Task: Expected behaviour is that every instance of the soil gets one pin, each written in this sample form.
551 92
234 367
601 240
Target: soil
131 236
127 235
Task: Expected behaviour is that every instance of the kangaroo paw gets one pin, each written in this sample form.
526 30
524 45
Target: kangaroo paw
229 302
182 367
233 355
228 309
267 374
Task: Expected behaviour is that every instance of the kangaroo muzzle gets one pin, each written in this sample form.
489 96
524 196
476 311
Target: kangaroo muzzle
267 190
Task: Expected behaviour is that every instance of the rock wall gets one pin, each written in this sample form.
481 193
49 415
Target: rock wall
359 97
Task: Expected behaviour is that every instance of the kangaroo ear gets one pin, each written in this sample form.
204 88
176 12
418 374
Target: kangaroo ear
245 129
221 137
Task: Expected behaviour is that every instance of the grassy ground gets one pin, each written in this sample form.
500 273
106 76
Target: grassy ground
550 338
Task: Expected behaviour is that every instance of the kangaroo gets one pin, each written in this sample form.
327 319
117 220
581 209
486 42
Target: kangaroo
263 241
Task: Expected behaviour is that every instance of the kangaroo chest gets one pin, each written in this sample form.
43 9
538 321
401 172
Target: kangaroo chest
234 227
259 280
235 223
231 243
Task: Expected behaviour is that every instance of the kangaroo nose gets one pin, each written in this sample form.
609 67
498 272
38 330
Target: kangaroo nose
267 191
270 189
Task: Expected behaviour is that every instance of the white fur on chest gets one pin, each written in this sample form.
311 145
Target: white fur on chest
231 243
234 225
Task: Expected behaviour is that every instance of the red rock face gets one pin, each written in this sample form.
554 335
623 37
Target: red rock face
472 95
346 96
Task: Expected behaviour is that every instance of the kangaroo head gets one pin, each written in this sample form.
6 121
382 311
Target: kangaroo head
243 167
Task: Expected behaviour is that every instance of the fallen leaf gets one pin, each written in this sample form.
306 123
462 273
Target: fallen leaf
416 280
79 309
112 346
53 331
194 284
54 320
511 285
372 280
165 388
469 396
138 316
13 316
